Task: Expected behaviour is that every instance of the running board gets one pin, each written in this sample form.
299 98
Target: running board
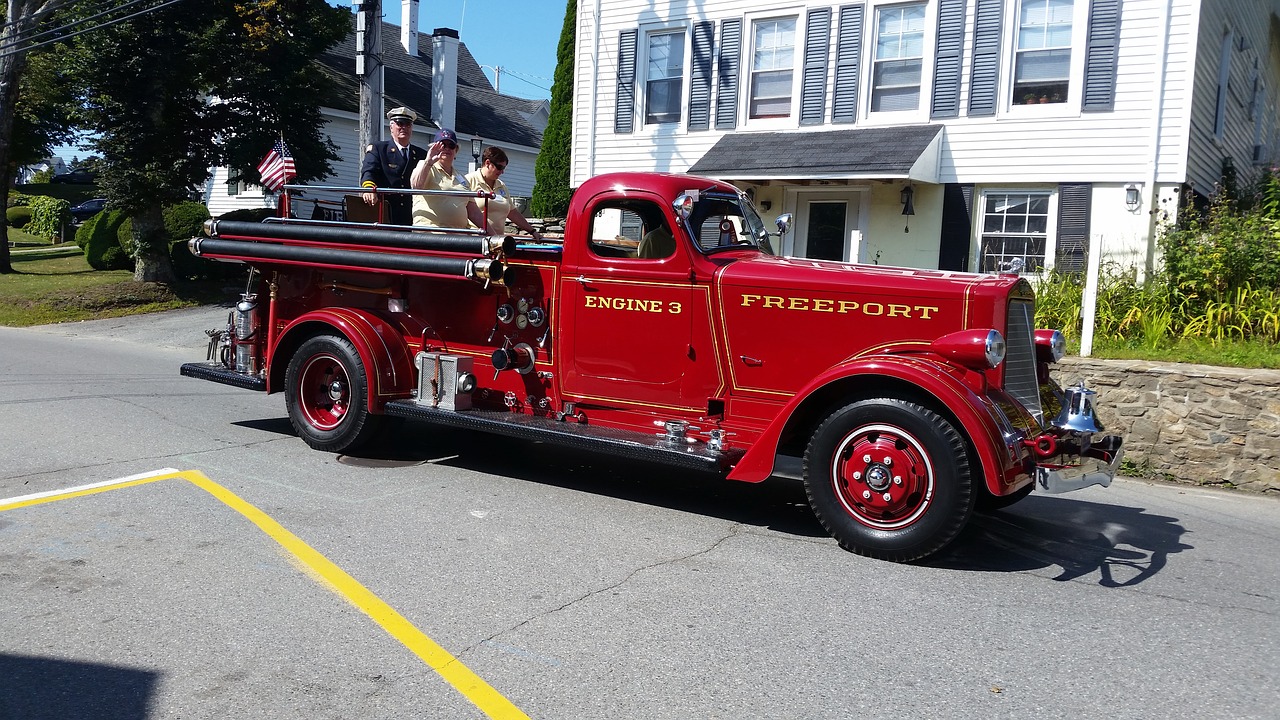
217 372
619 443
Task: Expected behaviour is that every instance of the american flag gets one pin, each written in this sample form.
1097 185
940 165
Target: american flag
277 167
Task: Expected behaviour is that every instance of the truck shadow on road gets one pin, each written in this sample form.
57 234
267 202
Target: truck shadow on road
1125 545
37 687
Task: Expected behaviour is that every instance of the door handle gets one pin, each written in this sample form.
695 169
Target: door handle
750 361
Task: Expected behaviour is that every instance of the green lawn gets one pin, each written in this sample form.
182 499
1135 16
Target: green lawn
50 289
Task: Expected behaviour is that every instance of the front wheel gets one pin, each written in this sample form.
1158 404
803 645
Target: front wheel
326 391
889 479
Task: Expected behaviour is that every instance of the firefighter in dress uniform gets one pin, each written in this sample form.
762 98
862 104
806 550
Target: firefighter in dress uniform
388 164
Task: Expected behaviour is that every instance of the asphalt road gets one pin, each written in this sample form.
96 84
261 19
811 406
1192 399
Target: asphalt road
451 575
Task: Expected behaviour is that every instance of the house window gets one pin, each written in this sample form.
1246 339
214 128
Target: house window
664 83
772 61
1014 225
895 83
1042 65
234 182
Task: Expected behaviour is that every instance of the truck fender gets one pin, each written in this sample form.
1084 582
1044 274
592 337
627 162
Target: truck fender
380 344
911 378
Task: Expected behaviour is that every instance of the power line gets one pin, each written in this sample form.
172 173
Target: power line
109 23
72 24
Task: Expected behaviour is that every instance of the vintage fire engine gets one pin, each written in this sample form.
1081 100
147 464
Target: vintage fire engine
907 397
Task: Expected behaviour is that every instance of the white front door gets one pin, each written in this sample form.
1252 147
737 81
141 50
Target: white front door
826 225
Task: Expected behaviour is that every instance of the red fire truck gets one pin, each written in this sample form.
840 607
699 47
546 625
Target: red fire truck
663 327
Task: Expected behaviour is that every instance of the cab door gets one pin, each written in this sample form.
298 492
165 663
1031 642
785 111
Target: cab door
634 317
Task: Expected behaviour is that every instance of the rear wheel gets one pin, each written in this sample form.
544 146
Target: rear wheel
889 479
326 391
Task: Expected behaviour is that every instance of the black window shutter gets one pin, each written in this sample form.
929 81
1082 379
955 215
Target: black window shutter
700 85
625 102
950 55
984 76
1073 227
727 74
957 227
1100 52
817 42
844 98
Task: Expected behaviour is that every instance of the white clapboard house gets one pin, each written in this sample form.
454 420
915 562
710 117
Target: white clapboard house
952 134
439 79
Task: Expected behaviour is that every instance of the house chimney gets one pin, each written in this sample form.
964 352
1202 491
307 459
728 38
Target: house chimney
409 26
444 76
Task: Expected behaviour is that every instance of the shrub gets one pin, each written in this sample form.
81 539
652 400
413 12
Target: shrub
98 235
248 214
48 216
124 236
185 220
18 216
115 258
16 198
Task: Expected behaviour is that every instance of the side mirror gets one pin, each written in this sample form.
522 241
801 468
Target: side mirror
682 206
784 223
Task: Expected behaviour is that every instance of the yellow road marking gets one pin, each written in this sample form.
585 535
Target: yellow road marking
480 693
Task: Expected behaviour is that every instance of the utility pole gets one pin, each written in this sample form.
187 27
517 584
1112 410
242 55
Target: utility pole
369 68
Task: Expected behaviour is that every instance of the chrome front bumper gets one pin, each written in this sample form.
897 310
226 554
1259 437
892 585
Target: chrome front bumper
1099 461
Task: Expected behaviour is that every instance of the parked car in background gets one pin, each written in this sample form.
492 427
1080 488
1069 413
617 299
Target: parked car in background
87 209
79 176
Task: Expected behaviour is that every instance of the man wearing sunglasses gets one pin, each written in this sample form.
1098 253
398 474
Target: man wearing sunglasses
389 163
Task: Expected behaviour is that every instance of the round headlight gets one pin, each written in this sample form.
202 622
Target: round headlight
1051 345
994 348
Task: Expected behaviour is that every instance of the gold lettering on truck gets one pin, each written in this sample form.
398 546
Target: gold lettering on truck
631 304
842 307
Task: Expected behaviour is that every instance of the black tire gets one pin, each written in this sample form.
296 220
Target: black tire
889 479
326 390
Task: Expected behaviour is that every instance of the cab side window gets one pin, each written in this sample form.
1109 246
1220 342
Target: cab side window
630 229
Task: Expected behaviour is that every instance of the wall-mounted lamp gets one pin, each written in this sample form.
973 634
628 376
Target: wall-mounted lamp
908 206
1132 197
477 147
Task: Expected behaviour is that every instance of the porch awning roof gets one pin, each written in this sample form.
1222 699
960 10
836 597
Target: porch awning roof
878 153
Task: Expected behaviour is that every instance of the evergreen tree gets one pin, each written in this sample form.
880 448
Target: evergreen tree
551 189
176 91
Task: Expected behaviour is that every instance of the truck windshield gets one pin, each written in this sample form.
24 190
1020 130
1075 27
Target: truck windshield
721 221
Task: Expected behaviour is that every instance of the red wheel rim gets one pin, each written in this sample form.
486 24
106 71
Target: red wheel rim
882 476
324 391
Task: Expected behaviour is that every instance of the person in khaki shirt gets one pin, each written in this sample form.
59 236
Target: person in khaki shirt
436 172
487 178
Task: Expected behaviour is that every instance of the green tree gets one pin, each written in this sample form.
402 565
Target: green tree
179 90
551 189
22 20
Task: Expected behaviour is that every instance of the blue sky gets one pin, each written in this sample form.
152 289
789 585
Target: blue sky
519 37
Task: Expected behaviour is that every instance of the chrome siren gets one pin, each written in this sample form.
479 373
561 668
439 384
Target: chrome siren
1077 411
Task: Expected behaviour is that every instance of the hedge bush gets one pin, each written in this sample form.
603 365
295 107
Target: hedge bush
185 220
48 216
248 214
100 234
18 216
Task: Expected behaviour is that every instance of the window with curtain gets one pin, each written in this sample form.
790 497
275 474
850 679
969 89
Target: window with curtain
895 76
773 60
664 83
1042 64
1014 225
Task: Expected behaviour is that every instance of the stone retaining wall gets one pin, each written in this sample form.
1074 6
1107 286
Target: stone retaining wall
1190 423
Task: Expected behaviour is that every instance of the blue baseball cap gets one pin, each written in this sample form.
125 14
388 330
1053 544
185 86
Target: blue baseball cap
445 135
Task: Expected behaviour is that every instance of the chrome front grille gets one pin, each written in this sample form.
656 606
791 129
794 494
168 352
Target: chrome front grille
1020 358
